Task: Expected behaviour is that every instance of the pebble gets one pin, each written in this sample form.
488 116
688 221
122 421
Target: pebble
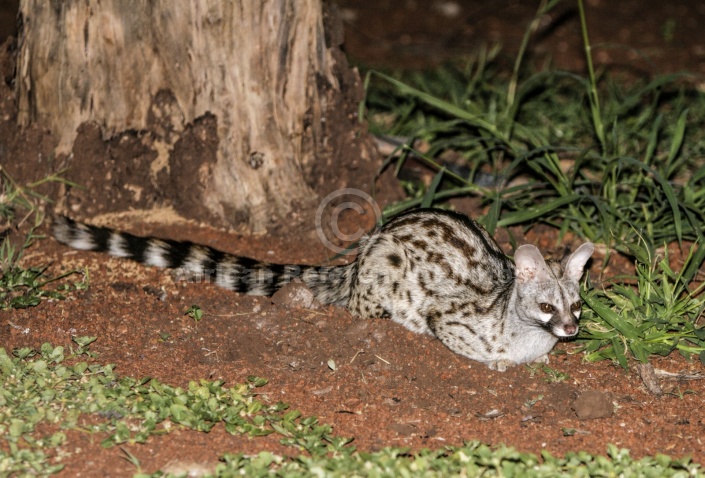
593 404
295 294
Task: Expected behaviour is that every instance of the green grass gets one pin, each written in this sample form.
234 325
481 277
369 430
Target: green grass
619 162
654 313
37 387
40 388
20 211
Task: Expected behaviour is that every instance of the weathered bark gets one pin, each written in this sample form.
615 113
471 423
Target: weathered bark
260 67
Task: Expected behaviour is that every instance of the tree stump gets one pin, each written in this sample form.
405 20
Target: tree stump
257 71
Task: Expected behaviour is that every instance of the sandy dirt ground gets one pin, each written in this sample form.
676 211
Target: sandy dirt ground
390 387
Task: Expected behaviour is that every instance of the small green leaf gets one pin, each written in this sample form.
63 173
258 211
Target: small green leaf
195 313
84 341
700 333
257 381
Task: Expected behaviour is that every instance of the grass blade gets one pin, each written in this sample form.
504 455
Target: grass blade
611 317
677 141
430 195
472 117
534 212
667 190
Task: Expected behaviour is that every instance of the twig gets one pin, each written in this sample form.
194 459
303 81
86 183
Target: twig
678 376
383 360
356 354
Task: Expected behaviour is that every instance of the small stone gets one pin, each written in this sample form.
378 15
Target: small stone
404 429
295 294
160 294
358 332
593 404
494 413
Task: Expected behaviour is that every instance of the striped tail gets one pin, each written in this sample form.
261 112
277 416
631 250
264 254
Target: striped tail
330 284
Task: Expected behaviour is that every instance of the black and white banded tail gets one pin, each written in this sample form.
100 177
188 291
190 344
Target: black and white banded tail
330 284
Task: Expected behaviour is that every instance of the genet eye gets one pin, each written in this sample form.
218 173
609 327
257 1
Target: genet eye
547 308
576 306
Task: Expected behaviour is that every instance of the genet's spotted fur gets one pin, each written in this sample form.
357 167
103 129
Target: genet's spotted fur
430 270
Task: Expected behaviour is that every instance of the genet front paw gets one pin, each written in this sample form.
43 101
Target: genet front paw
542 359
501 365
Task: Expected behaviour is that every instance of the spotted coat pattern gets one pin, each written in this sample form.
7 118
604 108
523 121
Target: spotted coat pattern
432 271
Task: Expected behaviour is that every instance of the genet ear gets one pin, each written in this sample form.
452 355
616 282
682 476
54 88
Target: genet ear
530 264
575 265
